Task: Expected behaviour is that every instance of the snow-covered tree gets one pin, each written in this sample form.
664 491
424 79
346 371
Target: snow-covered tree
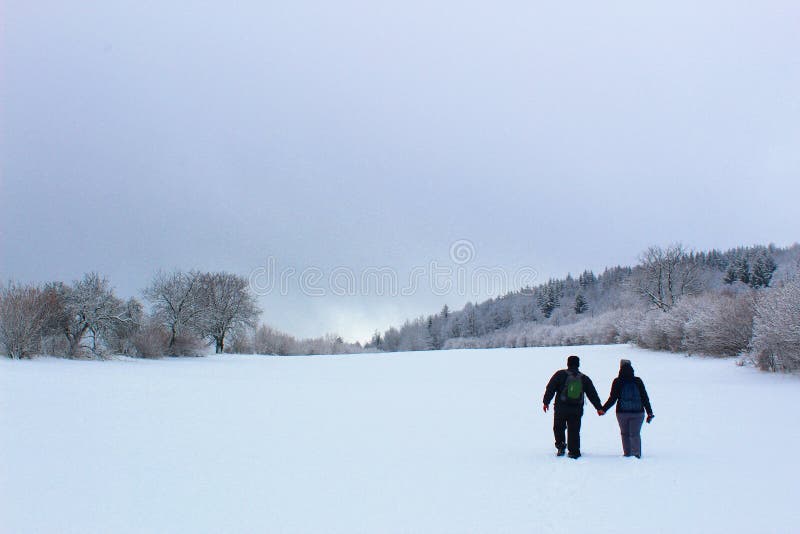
667 274
376 341
176 301
469 323
587 279
738 271
763 267
580 304
391 340
120 337
86 312
226 303
549 297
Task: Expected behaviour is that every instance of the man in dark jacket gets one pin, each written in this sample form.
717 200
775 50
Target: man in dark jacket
568 386
630 396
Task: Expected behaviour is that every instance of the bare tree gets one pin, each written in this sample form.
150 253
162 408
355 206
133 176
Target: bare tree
88 309
665 275
23 314
59 319
120 336
227 303
176 299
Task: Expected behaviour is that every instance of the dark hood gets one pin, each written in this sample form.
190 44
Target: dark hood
626 372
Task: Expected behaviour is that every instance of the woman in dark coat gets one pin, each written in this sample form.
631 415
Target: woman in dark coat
630 396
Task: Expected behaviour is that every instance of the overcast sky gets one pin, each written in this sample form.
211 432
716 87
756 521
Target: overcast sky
554 136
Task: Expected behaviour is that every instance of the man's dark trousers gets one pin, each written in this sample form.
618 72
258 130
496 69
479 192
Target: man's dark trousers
572 425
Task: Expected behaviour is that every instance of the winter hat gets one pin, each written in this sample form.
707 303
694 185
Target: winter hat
573 362
625 369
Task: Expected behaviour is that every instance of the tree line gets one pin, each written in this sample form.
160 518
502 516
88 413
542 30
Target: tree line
188 310
743 301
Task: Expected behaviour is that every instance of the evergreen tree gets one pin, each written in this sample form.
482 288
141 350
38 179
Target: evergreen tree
763 267
470 320
549 297
376 340
586 279
730 274
433 337
738 270
580 304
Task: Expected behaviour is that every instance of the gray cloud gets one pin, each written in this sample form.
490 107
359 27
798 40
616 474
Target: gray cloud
137 136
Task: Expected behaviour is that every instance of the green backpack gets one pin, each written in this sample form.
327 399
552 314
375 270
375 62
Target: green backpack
573 388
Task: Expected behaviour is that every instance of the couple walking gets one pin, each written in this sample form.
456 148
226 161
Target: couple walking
569 385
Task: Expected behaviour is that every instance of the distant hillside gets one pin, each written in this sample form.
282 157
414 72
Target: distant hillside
673 299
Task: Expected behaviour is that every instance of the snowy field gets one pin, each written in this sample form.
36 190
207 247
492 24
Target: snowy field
451 441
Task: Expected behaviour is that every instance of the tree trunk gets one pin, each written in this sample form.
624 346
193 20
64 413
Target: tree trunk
75 339
220 341
172 336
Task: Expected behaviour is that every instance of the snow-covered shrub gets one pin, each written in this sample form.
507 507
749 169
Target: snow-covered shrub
719 323
591 330
710 323
605 329
188 344
628 322
776 330
151 340
650 333
54 344
242 341
23 314
267 340
673 324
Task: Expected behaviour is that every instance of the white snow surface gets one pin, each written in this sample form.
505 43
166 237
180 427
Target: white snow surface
449 441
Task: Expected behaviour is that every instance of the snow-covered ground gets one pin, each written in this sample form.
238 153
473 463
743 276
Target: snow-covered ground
451 441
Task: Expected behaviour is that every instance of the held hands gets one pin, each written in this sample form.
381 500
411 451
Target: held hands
545 407
601 412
